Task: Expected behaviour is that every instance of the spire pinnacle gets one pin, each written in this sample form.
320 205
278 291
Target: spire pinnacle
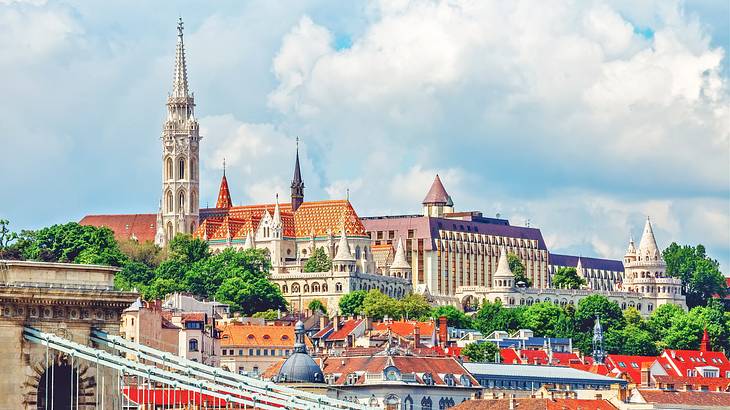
297 185
180 75
224 194
399 261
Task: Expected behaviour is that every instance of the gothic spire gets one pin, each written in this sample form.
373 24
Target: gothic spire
598 354
180 75
224 195
297 185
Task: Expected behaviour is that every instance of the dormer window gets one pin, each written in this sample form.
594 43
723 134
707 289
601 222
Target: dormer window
391 373
449 380
428 379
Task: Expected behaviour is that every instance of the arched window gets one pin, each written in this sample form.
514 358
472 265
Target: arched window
338 287
391 402
181 201
169 204
181 168
315 287
193 345
295 288
324 287
357 252
426 403
306 288
168 168
284 289
408 403
193 201
169 231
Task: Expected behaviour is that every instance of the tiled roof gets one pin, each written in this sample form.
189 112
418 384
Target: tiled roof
140 226
536 404
318 218
224 195
193 317
682 360
405 328
248 335
686 398
539 372
712 383
347 327
587 263
437 193
437 366
630 365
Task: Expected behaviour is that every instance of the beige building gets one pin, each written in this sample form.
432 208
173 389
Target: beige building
64 299
251 349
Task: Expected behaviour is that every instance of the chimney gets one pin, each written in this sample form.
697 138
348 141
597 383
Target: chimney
416 336
705 343
443 331
645 375
323 322
336 323
511 402
599 396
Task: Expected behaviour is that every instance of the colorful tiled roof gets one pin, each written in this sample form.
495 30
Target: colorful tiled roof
629 365
224 195
347 327
319 218
405 328
126 226
686 398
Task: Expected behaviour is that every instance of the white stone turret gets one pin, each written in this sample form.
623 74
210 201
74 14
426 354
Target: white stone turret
180 155
648 249
249 244
503 277
343 260
400 267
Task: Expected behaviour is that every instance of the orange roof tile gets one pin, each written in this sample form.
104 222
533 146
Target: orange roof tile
318 218
224 195
405 328
140 226
536 404
686 398
248 335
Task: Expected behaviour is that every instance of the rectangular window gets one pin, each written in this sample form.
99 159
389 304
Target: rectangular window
266 352
411 233
258 352
250 352
224 352
379 235
391 234
240 352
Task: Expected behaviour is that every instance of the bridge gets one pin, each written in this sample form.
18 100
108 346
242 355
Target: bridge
156 380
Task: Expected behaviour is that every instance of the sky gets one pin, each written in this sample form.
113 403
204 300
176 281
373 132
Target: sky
581 118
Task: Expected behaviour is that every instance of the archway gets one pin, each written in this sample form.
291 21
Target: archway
58 386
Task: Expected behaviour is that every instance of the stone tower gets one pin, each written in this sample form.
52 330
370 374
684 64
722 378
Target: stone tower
598 353
180 160
297 185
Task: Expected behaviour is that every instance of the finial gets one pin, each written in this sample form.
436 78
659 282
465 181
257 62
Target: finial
180 26
297 143
224 166
348 194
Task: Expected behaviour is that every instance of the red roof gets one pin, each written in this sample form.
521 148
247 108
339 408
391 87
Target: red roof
224 195
680 361
629 365
437 366
405 328
686 398
140 226
437 194
535 404
347 327
697 383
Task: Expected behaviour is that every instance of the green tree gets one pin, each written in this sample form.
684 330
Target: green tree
454 317
248 295
74 243
480 352
318 262
185 248
631 340
568 278
414 306
270 314
493 316
632 316
377 305
518 269
161 287
662 318
701 276
351 304
8 249
686 330
317 305
543 318
611 316
143 252
133 275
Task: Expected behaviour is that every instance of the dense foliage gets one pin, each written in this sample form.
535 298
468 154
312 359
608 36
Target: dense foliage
701 276
567 278
482 352
318 262
518 270
316 305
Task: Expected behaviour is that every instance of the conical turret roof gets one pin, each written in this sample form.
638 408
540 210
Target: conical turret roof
224 195
343 250
437 195
631 250
503 269
399 261
647 245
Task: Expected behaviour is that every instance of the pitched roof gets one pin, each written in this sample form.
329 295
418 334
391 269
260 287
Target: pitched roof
345 329
405 328
437 194
629 365
318 218
248 335
686 398
538 372
224 195
126 226
680 361
536 404
587 263
712 383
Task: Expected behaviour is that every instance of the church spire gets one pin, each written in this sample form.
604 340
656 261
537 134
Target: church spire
224 195
598 354
180 75
297 185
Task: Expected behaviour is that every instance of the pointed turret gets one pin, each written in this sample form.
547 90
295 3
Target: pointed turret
343 250
224 195
277 212
631 250
503 276
437 201
249 244
399 261
297 185
180 75
647 245
598 354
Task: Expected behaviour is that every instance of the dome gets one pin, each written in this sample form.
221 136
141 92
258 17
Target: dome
300 368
